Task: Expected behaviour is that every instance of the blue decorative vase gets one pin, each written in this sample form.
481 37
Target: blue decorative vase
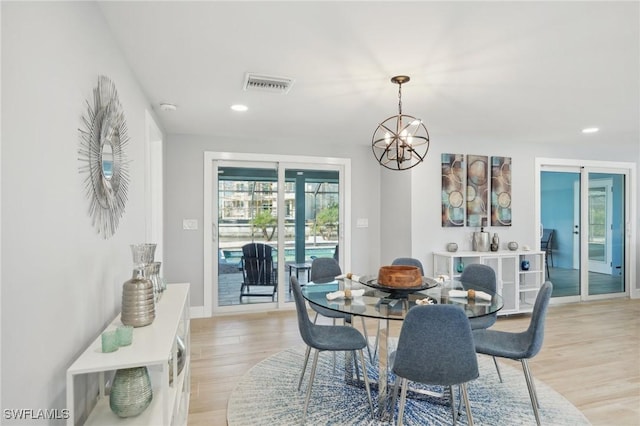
460 267
524 265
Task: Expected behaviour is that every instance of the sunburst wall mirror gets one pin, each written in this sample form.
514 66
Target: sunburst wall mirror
103 139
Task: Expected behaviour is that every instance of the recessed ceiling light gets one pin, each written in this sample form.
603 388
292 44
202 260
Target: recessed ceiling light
239 108
590 130
168 107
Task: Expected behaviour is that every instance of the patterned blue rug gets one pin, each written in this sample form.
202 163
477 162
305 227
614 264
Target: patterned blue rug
268 395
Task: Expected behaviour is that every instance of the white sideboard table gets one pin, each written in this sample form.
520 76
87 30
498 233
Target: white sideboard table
518 286
153 346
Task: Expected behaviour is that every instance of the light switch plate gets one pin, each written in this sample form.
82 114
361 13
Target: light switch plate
189 224
362 222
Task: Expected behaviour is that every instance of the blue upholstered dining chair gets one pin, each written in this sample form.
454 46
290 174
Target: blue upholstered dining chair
334 338
408 261
520 346
326 269
435 347
323 270
480 277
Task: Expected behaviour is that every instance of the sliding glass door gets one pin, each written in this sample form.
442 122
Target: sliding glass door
247 219
606 233
590 260
560 218
290 212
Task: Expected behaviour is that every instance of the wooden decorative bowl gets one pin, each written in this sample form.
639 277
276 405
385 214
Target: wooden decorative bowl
400 276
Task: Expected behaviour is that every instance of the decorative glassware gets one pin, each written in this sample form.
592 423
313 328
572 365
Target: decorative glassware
143 254
131 391
125 335
495 242
152 271
109 341
524 265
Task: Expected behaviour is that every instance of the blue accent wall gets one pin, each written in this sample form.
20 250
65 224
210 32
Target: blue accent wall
557 212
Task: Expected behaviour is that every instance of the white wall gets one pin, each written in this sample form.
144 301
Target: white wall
61 282
184 192
395 214
428 235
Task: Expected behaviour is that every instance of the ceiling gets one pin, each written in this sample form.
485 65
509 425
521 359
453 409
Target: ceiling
518 72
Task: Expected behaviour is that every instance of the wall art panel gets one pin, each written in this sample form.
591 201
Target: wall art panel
477 190
453 183
500 191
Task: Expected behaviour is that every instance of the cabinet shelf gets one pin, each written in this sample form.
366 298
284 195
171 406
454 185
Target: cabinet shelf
153 346
512 282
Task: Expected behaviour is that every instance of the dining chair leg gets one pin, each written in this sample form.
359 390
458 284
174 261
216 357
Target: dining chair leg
533 384
366 338
453 404
394 398
311 378
366 382
495 362
334 354
355 365
304 366
403 399
465 397
532 390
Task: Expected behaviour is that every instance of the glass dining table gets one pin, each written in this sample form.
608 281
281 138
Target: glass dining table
385 305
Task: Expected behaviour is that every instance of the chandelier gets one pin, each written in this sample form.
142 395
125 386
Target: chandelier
400 142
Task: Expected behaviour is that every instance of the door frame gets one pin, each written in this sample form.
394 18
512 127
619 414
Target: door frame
154 185
593 166
283 162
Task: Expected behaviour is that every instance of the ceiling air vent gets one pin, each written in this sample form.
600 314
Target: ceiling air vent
267 83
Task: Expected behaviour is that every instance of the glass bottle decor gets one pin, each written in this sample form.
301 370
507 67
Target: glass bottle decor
152 271
495 242
143 254
131 391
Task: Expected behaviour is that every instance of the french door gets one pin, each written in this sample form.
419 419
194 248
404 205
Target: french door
292 207
587 207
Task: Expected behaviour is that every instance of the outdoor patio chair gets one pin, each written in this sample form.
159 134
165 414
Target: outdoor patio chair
258 270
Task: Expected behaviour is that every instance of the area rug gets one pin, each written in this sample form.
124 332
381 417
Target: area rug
268 395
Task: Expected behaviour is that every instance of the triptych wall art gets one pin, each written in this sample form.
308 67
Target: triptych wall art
475 192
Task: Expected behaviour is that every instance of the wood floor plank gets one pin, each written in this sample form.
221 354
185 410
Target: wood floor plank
591 356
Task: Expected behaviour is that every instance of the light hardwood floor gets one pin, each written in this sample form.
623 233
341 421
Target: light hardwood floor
591 356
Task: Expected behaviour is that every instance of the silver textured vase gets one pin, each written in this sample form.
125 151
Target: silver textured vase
138 300
131 391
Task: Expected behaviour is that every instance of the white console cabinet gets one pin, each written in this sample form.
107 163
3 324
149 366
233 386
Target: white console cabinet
153 346
517 286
